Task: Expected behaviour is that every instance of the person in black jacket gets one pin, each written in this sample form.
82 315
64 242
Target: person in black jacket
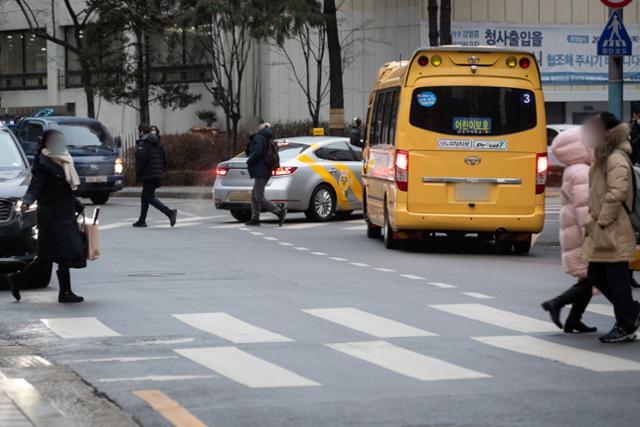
634 135
260 172
150 164
59 239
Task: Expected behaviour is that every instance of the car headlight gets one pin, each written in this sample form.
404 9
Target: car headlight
32 208
118 168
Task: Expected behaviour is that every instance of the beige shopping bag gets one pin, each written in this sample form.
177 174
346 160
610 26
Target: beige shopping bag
92 236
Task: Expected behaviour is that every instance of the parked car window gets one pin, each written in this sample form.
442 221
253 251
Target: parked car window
33 132
336 152
10 157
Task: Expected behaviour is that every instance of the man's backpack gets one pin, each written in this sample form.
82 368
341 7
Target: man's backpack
634 210
272 156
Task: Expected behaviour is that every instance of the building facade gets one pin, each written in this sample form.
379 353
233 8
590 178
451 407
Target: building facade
36 73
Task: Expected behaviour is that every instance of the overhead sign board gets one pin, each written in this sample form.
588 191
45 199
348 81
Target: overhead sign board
616 4
615 39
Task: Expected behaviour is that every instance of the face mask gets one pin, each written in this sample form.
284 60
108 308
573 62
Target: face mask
56 146
155 132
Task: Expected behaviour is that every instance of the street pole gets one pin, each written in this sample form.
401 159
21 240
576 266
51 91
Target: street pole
616 81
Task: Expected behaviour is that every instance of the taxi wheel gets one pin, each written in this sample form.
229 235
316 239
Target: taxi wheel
390 242
322 205
241 215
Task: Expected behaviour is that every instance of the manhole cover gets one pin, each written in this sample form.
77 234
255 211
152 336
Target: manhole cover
154 274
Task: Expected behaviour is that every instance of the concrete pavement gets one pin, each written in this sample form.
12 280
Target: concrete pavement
314 324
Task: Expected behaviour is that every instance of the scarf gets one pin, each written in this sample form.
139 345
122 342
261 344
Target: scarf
65 161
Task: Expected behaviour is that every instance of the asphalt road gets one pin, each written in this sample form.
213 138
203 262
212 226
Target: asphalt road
316 325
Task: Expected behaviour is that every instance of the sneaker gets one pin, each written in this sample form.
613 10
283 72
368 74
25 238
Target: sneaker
173 217
617 334
253 223
282 215
140 224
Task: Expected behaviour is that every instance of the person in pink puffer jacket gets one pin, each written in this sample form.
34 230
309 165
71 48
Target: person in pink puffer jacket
570 148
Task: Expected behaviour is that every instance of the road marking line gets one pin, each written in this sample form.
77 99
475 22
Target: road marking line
302 226
114 225
501 318
336 258
285 244
405 362
245 368
225 226
156 378
299 248
79 327
177 225
385 270
120 359
230 328
590 360
243 229
355 228
442 285
271 239
360 264
412 277
153 341
171 410
181 212
319 253
478 295
603 309
378 326
32 404
257 233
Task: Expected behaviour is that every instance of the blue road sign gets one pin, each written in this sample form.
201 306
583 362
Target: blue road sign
614 39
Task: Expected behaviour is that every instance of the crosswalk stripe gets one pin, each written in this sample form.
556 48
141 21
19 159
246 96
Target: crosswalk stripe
442 285
360 264
567 355
405 362
271 239
79 327
371 324
226 226
497 317
355 228
319 253
603 309
303 226
230 328
478 295
285 244
412 277
339 259
385 270
245 368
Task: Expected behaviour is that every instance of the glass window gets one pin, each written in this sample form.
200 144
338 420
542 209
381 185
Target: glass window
357 152
168 47
35 54
11 54
473 110
85 135
386 119
195 53
551 133
10 157
394 116
33 132
335 152
376 120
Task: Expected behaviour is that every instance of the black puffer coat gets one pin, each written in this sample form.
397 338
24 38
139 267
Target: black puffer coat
257 154
150 158
59 239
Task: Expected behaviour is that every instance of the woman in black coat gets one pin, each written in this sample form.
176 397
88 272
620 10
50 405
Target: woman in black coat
59 239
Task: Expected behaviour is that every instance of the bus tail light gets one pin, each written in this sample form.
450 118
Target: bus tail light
222 171
542 169
402 170
525 62
423 61
284 171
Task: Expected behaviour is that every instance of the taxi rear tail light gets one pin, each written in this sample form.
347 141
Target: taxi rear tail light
402 170
283 171
542 169
222 171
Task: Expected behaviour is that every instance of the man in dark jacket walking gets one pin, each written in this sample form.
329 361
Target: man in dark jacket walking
634 136
150 164
260 171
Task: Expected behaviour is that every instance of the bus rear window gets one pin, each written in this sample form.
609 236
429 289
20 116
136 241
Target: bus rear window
473 110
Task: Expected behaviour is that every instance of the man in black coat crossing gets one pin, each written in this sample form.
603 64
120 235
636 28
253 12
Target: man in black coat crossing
150 164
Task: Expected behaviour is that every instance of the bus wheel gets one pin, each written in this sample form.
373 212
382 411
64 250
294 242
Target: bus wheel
373 231
504 246
390 242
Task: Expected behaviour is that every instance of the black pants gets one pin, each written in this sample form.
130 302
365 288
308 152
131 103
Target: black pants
613 280
579 296
148 197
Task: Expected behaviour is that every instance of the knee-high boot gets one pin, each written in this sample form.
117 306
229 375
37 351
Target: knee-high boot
64 279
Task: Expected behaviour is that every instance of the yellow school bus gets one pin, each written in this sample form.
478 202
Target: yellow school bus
456 145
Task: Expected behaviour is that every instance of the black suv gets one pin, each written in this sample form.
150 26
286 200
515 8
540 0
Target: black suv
94 152
18 231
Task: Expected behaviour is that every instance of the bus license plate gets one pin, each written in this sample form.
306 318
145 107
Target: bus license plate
473 192
95 179
240 196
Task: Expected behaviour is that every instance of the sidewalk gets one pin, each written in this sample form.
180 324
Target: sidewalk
206 192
